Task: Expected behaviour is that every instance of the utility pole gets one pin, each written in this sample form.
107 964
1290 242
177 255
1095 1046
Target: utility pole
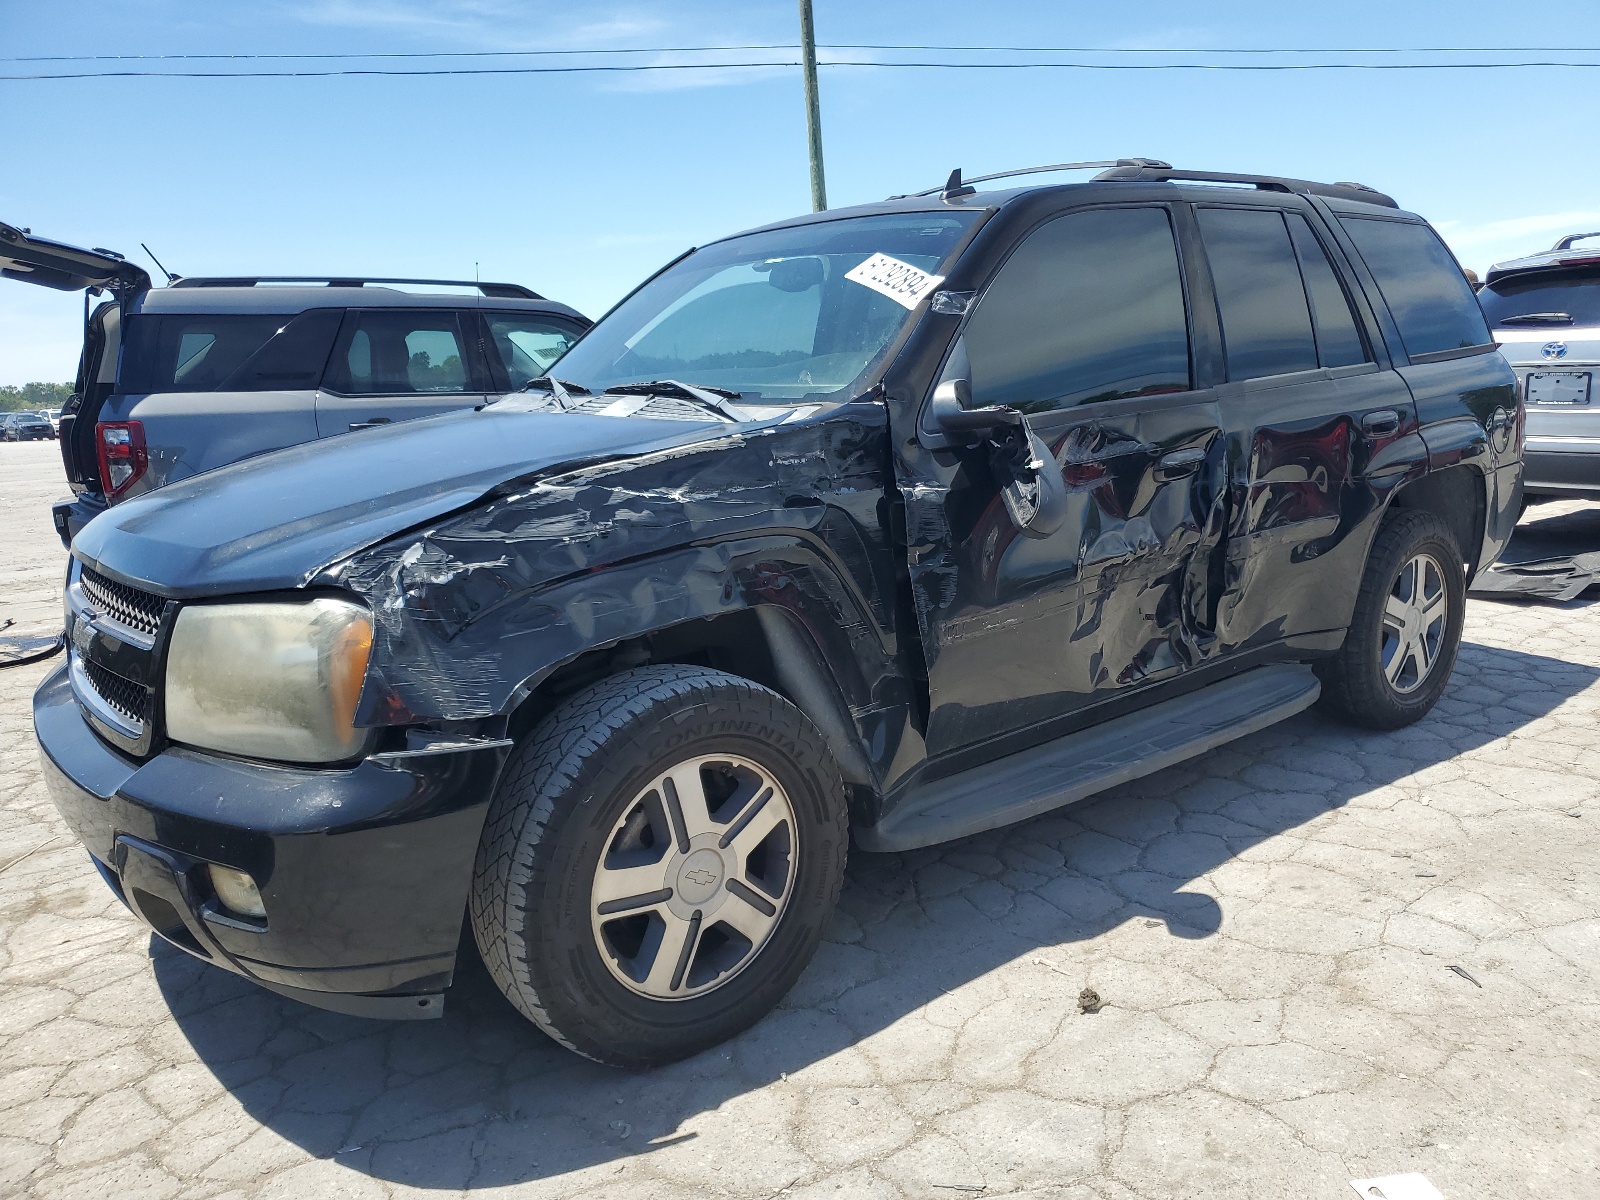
808 60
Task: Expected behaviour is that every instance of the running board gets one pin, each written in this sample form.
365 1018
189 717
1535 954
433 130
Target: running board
1080 764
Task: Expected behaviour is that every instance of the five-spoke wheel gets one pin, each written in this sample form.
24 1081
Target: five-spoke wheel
695 876
1402 640
1414 621
660 858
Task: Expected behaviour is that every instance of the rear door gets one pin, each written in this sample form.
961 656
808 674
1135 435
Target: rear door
1465 393
1312 417
396 364
29 259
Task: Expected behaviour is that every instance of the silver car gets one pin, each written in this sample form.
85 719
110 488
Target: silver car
182 379
1545 313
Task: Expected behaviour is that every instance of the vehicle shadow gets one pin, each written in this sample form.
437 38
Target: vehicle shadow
480 1098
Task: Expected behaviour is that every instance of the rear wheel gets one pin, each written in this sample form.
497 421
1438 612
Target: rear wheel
1402 642
659 863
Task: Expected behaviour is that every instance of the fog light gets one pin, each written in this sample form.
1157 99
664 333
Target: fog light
237 891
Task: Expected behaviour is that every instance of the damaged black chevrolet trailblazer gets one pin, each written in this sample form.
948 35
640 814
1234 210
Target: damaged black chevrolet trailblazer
889 525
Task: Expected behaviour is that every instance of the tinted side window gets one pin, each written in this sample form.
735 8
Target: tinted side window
179 353
1090 307
1422 284
1266 323
293 358
400 352
528 343
1338 339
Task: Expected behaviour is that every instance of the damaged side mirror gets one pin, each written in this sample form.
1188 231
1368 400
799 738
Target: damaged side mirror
1030 485
957 419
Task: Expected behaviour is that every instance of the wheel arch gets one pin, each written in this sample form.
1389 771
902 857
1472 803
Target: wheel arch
1458 496
781 617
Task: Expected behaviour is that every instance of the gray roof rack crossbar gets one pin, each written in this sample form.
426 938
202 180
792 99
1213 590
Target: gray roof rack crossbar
1120 173
1074 166
1566 242
499 291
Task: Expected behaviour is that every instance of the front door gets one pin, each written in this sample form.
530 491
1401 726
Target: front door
394 364
1085 329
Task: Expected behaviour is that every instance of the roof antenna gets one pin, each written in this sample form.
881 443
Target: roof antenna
171 278
954 189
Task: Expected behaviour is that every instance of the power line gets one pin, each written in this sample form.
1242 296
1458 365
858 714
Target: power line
881 66
398 54
426 54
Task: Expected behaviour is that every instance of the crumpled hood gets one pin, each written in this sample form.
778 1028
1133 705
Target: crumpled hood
275 521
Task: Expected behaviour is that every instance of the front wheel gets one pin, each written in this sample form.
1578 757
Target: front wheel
1402 642
659 863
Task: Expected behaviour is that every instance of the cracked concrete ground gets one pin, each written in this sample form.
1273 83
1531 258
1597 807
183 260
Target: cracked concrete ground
1272 928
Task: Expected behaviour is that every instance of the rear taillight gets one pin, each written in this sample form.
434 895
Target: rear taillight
122 455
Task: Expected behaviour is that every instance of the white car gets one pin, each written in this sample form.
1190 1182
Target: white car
1545 313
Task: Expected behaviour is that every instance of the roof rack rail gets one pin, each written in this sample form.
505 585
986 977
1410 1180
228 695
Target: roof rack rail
499 291
1266 183
1566 242
951 188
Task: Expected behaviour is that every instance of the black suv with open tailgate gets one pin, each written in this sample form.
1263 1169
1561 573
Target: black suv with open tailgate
893 524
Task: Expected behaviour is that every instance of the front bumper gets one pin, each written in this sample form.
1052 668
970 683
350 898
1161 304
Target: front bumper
364 870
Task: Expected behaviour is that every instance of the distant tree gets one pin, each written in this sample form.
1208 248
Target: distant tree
33 397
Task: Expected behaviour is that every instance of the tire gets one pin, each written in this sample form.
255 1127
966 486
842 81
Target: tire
1389 674
585 811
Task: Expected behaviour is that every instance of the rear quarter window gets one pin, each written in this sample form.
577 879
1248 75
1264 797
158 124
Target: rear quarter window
1428 296
178 353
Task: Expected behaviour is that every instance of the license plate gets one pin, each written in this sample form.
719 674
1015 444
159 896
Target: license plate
1558 387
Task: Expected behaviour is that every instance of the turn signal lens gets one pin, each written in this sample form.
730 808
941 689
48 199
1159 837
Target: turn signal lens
122 455
237 891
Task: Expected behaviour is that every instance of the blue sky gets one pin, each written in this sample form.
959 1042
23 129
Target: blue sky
578 185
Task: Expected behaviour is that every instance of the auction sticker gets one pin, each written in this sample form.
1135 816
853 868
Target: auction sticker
900 281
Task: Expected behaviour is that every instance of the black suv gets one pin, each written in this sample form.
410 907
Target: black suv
894 523
177 380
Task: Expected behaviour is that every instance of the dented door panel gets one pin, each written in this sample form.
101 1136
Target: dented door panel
1018 632
1310 480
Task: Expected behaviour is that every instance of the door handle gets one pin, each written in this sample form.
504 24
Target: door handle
1179 463
1384 420
372 424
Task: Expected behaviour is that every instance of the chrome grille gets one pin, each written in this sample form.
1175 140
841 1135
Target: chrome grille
123 695
128 605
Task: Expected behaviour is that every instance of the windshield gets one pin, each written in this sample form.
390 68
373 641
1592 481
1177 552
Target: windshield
773 316
1575 293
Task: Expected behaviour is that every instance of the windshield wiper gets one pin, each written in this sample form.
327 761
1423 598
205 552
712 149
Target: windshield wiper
706 397
1549 318
561 390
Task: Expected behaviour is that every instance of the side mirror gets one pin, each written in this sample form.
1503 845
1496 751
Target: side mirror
953 413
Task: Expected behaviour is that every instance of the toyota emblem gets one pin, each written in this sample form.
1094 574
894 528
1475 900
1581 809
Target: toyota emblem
1554 350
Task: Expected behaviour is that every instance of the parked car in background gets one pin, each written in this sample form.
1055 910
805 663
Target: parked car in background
1545 313
178 380
55 418
26 427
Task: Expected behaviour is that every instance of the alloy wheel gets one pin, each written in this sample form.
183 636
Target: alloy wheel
694 877
1414 623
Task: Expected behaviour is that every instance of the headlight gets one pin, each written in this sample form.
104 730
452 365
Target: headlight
276 681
